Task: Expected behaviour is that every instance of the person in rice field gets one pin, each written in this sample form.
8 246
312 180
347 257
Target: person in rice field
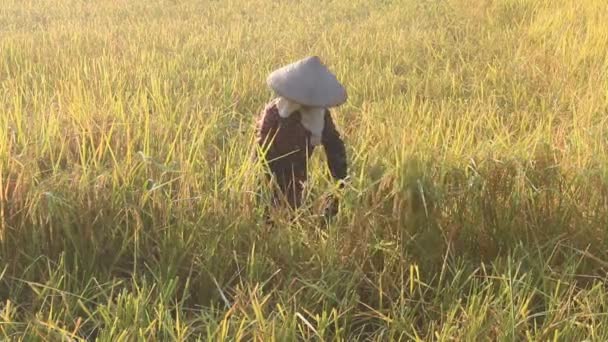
297 121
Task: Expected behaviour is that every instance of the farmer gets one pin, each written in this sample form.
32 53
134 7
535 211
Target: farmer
295 122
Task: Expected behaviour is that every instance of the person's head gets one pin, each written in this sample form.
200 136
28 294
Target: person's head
307 84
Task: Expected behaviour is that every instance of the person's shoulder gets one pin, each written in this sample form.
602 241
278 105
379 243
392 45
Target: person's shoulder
328 116
268 115
270 109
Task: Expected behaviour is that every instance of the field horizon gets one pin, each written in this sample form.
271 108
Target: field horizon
476 135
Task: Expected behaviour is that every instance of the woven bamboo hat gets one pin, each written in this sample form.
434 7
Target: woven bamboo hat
309 83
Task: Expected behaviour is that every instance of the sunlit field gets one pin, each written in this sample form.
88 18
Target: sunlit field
477 141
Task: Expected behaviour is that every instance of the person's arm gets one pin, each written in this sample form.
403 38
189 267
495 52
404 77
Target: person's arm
336 160
267 127
335 150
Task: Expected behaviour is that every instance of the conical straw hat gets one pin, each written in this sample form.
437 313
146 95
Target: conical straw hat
309 83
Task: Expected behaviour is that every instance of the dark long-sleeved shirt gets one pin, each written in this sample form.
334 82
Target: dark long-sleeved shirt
287 144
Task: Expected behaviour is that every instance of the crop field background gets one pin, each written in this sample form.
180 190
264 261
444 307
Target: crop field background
476 134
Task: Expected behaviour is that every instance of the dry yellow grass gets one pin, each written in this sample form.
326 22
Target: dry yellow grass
476 134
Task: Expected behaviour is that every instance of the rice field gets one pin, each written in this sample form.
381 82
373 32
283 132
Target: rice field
477 141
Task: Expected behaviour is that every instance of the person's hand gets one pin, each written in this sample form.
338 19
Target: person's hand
331 207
